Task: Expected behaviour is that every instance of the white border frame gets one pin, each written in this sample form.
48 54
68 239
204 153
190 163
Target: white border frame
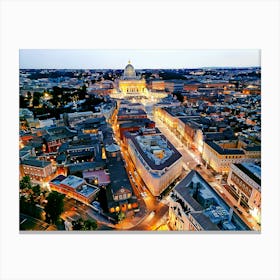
162 24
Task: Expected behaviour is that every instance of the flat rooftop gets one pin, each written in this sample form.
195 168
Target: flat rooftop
102 177
87 190
129 112
155 142
72 181
77 184
80 114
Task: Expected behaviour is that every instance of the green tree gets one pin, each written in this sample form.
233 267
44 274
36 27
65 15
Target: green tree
36 190
90 225
36 98
84 224
29 96
77 225
25 183
121 216
27 206
54 207
23 102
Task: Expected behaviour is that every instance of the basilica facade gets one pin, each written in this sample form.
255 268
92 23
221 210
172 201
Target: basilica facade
131 85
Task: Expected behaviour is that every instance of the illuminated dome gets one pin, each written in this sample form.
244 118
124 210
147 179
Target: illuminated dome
129 71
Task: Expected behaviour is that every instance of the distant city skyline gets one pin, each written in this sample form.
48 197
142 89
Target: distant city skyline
140 59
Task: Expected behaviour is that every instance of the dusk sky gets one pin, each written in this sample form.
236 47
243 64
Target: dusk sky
117 59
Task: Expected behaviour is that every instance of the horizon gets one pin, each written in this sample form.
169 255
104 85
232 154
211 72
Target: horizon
193 68
141 59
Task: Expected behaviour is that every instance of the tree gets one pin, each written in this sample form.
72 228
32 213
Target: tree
84 224
36 98
54 206
25 183
29 96
36 190
77 225
121 216
22 102
90 225
28 206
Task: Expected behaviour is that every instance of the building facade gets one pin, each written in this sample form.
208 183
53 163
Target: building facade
130 84
156 160
74 187
244 182
36 169
221 154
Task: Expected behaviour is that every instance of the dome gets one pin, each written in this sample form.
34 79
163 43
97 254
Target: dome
129 71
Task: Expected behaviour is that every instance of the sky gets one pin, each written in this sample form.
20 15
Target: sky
140 59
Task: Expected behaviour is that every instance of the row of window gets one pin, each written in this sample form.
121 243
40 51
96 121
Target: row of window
233 156
31 169
122 196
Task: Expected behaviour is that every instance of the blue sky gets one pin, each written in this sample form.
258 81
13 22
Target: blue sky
117 59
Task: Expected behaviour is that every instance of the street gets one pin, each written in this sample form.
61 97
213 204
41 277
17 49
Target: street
192 160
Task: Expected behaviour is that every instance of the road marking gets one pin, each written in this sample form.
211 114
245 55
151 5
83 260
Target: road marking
23 221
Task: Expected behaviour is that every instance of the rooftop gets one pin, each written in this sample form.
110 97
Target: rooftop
205 221
254 148
36 162
112 148
251 170
156 150
80 114
214 145
208 208
87 190
135 122
118 175
128 112
55 133
85 166
72 181
102 176
76 183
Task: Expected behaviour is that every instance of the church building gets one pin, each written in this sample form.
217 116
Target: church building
132 85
